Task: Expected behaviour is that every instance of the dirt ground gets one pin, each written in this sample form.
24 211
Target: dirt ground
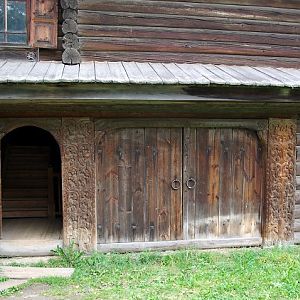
35 291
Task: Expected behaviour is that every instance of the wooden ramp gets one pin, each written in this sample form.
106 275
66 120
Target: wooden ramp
30 236
10 248
32 229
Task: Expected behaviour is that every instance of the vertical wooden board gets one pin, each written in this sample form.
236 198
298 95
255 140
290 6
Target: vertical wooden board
259 186
248 178
214 182
225 181
138 180
100 184
125 185
202 205
190 172
176 174
111 182
238 183
151 186
164 181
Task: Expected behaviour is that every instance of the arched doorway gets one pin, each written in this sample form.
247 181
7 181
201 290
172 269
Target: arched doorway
31 186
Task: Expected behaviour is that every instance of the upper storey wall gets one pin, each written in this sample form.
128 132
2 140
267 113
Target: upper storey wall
254 32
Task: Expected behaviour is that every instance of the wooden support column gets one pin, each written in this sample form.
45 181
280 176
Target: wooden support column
78 173
280 182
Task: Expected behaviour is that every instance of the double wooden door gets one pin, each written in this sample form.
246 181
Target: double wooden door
158 184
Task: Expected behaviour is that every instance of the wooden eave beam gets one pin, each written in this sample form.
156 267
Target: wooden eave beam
115 100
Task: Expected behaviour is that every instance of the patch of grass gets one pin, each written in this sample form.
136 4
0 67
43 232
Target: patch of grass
189 274
13 290
68 256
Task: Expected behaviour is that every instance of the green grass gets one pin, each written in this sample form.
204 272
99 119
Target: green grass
190 274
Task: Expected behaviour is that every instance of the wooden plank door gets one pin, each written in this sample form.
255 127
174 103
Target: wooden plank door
223 182
139 192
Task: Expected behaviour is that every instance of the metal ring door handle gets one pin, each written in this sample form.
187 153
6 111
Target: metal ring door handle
176 184
191 183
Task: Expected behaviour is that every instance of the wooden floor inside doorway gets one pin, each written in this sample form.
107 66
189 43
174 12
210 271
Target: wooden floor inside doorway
32 229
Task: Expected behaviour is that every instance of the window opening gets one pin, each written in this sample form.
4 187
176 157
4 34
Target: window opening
13 21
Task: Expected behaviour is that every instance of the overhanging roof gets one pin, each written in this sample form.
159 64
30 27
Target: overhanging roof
147 73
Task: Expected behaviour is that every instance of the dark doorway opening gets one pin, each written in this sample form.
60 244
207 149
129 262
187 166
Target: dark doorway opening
31 185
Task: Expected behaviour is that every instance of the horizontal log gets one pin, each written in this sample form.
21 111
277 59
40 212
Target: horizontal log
12 204
187 34
25 214
50 54
258 3
133 19
176 46
182 244
190 58
194 9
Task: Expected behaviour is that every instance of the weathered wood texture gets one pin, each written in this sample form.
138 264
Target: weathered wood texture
297 200
230 32
223 183
70 42
25 182
78 182
135 168
280 182
150 188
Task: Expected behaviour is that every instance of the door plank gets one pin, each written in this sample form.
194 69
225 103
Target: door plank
202 207
190 171
226 181
164 180
151 193
176 173
214 182
125 183
138 176
238 183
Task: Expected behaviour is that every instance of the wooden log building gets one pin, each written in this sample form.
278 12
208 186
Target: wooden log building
147 124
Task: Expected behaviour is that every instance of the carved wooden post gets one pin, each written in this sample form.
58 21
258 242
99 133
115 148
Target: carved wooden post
2 133
280 182
79 207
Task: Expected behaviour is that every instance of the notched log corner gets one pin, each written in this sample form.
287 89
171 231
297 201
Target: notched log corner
71 56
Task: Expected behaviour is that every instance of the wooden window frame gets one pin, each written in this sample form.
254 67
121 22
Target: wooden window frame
30 49
28 21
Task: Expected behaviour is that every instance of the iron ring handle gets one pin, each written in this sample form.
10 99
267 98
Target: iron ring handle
191 183
176 184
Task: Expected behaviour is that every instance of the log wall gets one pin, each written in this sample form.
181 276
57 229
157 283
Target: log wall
216 31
